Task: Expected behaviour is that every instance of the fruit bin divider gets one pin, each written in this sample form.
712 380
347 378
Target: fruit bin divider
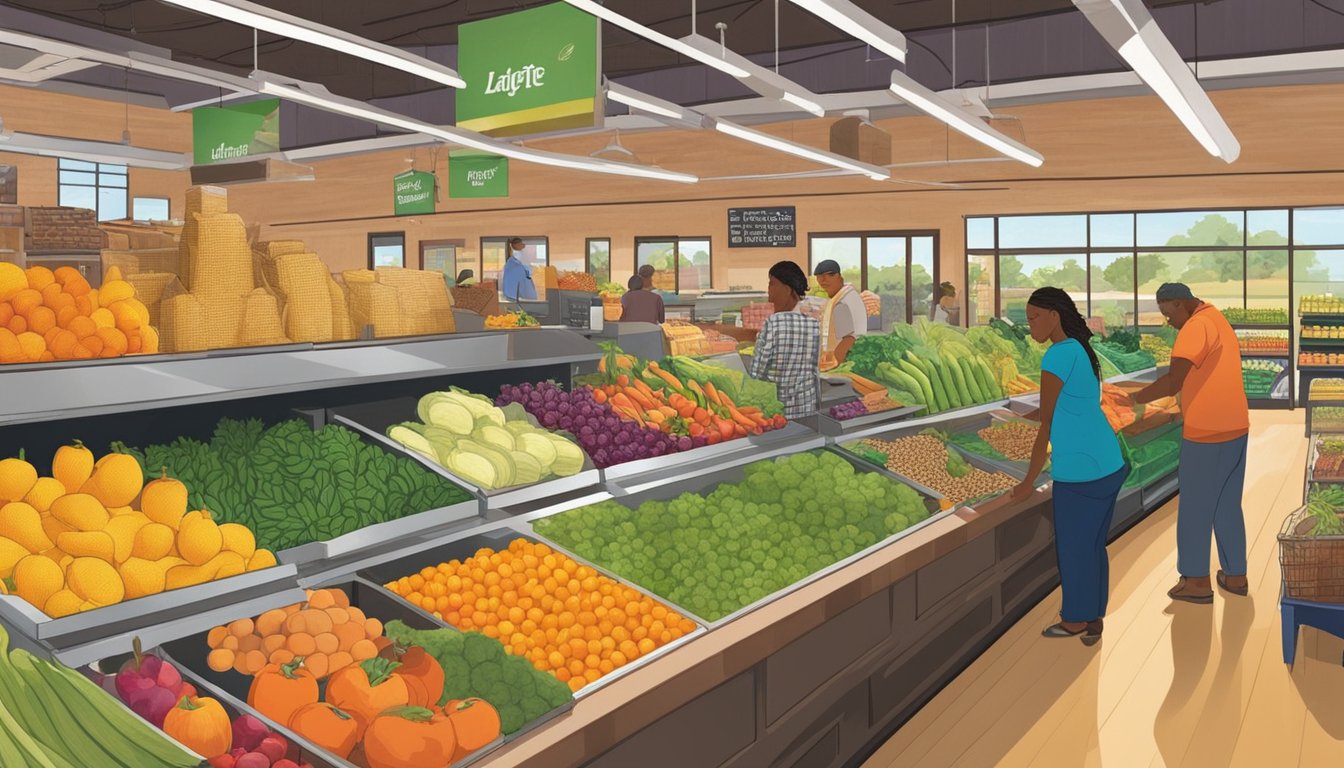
326 556
633 472
189 654
703 483
833 427
233 707
498 539
374 418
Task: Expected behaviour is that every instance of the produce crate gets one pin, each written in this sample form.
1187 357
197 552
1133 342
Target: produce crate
498 539
1313 566
704 481
189 653
104 673
373 419
84 637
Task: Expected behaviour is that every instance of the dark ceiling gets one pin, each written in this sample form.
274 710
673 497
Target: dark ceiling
431 26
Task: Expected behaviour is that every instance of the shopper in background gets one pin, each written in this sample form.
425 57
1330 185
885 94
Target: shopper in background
844 318
646 274
517 282
1086 464
789 343
944 304
1206 373
640 305
464 277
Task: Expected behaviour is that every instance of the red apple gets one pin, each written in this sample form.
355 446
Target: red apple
273 747
223 761
248 732
253 760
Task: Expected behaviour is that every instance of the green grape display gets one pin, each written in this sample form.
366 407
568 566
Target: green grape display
787 519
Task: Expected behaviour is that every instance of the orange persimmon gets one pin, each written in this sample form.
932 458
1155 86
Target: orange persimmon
280 690
41 320
475 724
330 728
409 737
39 277
368 688
25 300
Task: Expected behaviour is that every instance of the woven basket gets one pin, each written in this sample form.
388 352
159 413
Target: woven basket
183 326
1313 566
207 201
611 308
374 304
342 328
149 289
261 324
218 261
302 283
426 306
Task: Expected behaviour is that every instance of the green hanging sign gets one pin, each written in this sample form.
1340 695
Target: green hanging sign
236 131
472 174
413 193
529 72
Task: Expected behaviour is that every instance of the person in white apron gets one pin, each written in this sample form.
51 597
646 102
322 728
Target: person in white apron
844 319
943 307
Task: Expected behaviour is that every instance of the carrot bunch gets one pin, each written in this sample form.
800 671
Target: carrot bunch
683 408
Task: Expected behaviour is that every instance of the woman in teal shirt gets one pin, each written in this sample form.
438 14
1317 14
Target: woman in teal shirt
1086 464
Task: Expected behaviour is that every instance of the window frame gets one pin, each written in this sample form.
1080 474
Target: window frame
167 201
97 186
676 241
373 235
908 235
459 245
588 256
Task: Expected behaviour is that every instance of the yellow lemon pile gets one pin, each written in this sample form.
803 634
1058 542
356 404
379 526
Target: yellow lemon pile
46 315
75 541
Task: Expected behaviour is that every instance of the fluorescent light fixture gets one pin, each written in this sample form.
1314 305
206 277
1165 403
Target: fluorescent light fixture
759 79
857 23
875 172
1130 29
93 151
654 105
959 119
285 25
630 25
319 98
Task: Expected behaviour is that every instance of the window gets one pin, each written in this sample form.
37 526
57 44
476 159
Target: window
599 258
681 264
897 266
495 251
99 187
441 256
150 209
387 249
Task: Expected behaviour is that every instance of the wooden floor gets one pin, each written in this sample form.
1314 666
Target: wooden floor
1171 684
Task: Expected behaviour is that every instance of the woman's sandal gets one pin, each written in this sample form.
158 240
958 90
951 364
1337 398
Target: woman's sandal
1090 634
1059 630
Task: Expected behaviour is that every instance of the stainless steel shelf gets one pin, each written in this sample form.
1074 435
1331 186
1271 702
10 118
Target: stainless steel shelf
56 391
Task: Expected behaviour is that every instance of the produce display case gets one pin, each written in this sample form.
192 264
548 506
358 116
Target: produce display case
704 482
1325 405
499 538
853 450
374 419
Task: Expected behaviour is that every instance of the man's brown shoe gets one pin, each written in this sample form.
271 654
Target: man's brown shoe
1192 590
1237 585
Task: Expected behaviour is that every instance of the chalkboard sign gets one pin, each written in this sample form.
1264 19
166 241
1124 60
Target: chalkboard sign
762 227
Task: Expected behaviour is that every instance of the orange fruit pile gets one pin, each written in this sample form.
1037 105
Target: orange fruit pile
563 616
47 316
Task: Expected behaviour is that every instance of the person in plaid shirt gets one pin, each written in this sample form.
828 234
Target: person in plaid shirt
789 344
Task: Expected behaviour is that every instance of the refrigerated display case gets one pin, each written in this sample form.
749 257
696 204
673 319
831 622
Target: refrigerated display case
906 606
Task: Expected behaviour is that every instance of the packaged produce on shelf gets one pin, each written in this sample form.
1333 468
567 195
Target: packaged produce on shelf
1157 347
1263 342
353 686
685 338
53 716
876 402
600 625
926 459
291 485
1258 376
48 316
1320 304
715 554
519 319
1326 389
72 542
1329 418
490 446
1329 465
1320 358
1122 348
1256 316
577 281
1326 332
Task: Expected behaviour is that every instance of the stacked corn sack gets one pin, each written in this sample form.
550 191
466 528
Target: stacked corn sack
399 302
313 305
217 304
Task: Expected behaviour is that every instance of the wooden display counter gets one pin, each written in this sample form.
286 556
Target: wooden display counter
826 673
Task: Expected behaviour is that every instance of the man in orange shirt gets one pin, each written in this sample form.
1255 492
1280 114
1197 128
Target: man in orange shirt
1206 373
